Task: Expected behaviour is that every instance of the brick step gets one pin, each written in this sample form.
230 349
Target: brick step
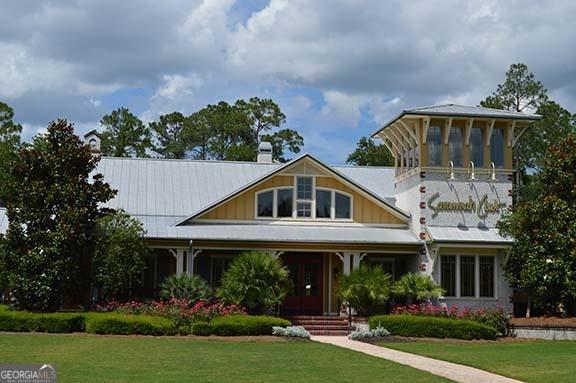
312 317
327 328
330 332
319 322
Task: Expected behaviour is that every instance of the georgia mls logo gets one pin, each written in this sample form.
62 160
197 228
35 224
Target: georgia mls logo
27 373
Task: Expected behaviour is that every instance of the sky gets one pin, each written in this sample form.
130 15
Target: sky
338 69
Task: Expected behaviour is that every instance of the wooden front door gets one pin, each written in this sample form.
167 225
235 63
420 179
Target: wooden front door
306 274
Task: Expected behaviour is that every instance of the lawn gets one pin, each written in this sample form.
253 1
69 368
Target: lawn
526 360
85 358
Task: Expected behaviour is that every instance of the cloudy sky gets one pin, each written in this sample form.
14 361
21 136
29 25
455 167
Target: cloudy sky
338 68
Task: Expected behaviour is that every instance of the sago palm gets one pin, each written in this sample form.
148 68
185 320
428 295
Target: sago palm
417 287
365 288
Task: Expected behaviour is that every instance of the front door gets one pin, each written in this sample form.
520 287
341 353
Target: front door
305 296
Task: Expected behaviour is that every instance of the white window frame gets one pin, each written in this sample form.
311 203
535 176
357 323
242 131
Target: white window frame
312 203
476 276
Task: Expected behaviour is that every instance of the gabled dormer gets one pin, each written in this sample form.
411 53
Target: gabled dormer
303 191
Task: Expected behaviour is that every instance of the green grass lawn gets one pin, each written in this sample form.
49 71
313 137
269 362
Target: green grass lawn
81 358
529 361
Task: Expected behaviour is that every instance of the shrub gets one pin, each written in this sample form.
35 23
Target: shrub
234 325
22 321
291 331
119 324
416 326
378 332
417 287
185 286
256 281
202 329
496 318
365 288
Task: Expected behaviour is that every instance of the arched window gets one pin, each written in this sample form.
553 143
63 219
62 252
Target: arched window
455 145
497 147
434 144
477 147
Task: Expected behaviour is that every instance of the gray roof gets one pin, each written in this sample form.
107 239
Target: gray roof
3 221
454 110
465 234
163 228
156 187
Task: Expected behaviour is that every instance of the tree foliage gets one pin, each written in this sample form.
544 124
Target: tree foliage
365 288
418 288
124 135
53 207
171 134
9 144
119 255
367 153
543 259
255 280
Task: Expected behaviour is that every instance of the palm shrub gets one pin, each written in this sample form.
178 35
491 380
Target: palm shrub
417 288
185 286
255 280
365 288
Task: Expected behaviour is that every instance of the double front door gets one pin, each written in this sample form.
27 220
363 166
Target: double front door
305 296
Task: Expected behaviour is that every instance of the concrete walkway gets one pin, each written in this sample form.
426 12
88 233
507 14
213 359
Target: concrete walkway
452 371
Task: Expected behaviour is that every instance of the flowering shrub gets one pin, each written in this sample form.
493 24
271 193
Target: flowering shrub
182 311
496 318
378 332
291 331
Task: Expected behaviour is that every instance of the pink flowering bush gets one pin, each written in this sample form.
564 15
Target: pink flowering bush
182 311
496 318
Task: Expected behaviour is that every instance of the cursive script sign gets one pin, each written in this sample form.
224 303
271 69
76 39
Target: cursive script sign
482 208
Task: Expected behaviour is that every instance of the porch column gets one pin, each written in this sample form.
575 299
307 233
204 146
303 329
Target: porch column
179 255
356 259
192 254
346 261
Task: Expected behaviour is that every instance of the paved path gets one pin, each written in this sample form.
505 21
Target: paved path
452 371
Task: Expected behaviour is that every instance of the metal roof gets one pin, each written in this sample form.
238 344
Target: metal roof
466 234
3 221
163 228
181 188
455 110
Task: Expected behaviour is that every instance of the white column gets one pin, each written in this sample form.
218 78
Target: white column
356 258
179 255
192 254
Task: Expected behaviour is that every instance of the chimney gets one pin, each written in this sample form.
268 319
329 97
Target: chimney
92 138
264 153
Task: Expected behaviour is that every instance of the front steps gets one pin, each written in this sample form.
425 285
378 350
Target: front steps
322 325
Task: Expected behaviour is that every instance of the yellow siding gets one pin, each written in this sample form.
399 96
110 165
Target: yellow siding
242 206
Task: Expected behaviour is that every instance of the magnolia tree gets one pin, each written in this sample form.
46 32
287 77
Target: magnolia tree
53 207
543 259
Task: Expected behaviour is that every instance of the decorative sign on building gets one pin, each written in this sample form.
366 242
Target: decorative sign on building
482 208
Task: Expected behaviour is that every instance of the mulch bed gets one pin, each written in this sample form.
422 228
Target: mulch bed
550 322
402 339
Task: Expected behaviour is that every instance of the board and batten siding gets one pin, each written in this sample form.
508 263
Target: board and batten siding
241 207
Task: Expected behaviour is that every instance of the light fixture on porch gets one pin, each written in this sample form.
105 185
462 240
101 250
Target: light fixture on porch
492 171
471 171
450 170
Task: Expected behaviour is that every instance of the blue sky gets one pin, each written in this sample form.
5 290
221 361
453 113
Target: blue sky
337 68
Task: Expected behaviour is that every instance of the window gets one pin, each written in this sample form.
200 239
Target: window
266 203
455 141
497 147
304 187
434 144
477 147
323 203
474 275
304 209
487 276
343 206
467 276
284 202
448 274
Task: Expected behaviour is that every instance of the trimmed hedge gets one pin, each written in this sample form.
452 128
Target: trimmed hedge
22 321
202 329
433 327
119 324
235 325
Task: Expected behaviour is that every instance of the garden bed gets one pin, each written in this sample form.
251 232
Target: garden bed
544 322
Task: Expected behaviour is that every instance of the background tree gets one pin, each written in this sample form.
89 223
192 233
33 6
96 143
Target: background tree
170 132
367 153
543 258
124 135
9 144
231 135
53 206
119 255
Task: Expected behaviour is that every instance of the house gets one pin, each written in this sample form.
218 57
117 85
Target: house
434 212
